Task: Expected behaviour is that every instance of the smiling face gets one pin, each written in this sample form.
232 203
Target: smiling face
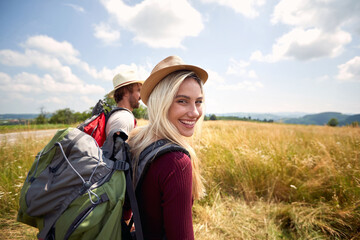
186 108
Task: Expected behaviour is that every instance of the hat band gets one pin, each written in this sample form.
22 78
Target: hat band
123 84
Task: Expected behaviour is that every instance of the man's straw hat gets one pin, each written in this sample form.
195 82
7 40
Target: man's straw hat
164 68
124 78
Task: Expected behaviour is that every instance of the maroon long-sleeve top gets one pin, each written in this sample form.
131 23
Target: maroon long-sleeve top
165 201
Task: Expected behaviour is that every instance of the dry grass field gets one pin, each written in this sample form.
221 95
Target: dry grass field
263 181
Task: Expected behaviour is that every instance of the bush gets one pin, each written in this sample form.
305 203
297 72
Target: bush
333 122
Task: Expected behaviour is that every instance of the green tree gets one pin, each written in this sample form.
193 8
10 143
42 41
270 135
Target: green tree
41 118
64 116
82 116
110 103
212 117
140 112
333 122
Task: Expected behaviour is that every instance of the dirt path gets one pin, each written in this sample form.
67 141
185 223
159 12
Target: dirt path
12 137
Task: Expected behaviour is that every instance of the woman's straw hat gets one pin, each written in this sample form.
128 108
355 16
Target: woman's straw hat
164 68
124 78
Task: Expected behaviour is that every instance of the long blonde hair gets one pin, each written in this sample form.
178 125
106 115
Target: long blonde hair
159 126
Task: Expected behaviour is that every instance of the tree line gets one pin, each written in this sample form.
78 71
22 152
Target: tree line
333 122
213 117
68 116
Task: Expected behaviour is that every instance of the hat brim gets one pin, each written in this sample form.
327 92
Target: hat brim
111 93
157 76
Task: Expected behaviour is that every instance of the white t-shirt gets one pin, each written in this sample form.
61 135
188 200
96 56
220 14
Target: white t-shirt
122 119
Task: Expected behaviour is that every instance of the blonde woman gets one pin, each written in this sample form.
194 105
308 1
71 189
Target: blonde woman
174 96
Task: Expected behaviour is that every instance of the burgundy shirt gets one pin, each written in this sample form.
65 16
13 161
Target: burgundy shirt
165 201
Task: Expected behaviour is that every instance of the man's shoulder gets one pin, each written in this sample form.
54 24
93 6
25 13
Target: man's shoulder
118 112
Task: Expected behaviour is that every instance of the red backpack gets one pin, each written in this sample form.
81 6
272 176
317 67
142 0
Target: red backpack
96 124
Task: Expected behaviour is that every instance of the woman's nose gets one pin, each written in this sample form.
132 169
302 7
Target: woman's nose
194 111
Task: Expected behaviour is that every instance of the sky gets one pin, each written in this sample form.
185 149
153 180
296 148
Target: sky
262 56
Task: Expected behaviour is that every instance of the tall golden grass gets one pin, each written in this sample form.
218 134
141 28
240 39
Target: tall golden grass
263 181
274 181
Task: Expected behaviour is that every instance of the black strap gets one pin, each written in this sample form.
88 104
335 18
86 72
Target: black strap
131 194
107 115
123 163
154 150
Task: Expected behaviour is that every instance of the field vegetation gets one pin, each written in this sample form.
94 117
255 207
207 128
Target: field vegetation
30 127
263 181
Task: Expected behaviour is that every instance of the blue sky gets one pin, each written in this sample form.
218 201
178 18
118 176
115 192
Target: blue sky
261 55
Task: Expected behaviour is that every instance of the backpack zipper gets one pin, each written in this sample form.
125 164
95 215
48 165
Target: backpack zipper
82 216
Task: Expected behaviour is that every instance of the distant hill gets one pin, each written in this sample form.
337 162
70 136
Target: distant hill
298 117
262 116
17 116
323 119
351 119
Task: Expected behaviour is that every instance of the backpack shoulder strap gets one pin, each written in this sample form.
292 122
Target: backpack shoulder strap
151 152
113 111
122 162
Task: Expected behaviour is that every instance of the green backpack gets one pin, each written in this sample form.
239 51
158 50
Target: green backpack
76 190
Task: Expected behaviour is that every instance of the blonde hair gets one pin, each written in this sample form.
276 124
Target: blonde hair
159 126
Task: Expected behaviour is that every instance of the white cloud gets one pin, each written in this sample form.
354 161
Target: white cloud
4 78
350 71
105 33
50 46
317 29
49 92
238 68
157 23
323 78
87 100
55 100
75 7
222 93
108 74
244 7
214 78
56 57
243 85
324 14
11 58
303 44
252 74
46 68
42 61
219 83
58 86
31 83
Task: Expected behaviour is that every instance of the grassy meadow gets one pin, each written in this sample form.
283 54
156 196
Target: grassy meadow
263 181
29 127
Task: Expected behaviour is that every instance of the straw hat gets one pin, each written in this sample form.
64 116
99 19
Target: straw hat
164 68
124 78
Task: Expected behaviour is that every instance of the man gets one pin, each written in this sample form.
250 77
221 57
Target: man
126 94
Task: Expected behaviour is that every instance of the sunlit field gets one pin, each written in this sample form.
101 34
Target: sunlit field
263 181
29 127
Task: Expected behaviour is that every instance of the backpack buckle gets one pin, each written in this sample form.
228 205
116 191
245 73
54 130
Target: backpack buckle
121 166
